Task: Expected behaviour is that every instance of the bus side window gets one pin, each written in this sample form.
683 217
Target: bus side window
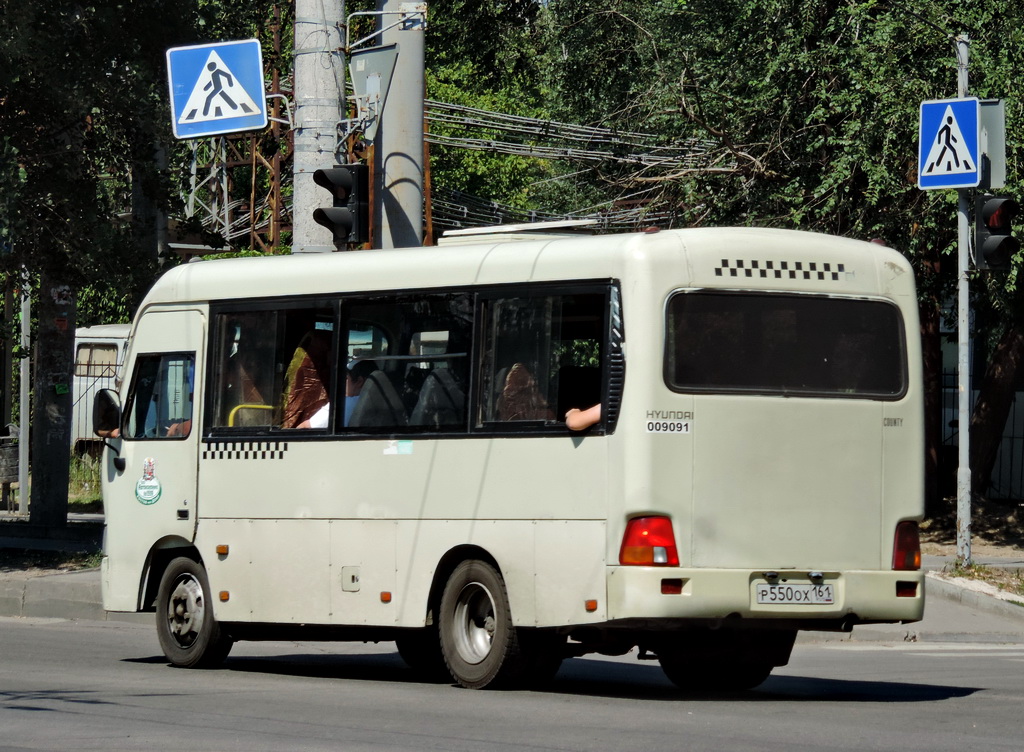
271 367
542 355
419 346
160 400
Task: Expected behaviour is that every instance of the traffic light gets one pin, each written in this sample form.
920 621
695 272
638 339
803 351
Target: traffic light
994 244
349 218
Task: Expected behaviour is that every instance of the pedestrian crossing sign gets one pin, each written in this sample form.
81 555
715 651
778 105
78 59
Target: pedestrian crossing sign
216 88
949 153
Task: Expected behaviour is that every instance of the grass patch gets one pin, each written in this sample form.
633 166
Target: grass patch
84 495
12 559
1007 580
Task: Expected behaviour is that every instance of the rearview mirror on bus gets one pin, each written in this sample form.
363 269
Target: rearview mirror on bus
106 420
106 414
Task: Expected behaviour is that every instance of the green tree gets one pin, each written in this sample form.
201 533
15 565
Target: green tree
82 117
816 101
488 55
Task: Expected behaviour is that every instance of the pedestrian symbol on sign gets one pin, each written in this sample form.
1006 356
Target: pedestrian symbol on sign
949 154
216 95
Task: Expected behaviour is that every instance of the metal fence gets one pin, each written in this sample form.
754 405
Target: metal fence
1007 480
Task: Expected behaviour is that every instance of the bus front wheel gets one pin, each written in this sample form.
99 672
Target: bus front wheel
479 643
189 634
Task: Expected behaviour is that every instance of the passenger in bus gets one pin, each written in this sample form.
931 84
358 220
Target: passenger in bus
358 372
521 399
307 379
580 420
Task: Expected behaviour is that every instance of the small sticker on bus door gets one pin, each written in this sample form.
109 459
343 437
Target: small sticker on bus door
398 447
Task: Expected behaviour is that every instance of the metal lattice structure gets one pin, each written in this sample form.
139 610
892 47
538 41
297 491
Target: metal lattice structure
256 214
235 183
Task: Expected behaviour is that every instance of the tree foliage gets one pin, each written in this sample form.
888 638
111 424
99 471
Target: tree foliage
83 94
812 103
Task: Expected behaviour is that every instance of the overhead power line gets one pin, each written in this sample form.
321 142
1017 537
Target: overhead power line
523 136
453 210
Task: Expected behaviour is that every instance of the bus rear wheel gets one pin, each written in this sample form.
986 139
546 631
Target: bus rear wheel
722 676
189 634
421 651
478 641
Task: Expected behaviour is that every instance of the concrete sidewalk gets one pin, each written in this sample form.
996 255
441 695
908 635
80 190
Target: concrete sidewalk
955 611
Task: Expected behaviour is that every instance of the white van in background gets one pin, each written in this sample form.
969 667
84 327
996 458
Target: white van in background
99 353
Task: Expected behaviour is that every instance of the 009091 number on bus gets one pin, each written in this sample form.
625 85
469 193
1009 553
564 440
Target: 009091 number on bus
668 426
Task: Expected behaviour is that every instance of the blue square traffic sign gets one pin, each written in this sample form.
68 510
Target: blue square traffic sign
216 88
949 147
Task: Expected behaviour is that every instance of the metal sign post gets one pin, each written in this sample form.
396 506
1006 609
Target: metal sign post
949 156
963 473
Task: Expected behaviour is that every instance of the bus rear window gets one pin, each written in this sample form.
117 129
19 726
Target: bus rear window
785 345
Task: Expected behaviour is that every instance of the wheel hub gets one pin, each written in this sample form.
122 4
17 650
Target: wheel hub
474 622
186 610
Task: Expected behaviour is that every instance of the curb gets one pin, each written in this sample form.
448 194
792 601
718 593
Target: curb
979 596
60 595
968 593
65 595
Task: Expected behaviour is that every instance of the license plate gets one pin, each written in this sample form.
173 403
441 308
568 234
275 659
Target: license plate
795 595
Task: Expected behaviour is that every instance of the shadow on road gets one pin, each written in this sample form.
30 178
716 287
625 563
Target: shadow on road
596 678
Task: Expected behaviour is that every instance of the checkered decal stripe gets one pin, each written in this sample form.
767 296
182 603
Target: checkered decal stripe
780 269
245 450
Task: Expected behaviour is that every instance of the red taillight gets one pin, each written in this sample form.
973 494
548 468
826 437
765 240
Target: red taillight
649 542
906 549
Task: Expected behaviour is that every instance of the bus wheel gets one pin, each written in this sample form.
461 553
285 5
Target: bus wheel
421 651
541 654
189 635
697 676
477 637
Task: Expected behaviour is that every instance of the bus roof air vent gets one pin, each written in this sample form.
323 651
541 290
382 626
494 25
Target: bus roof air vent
526 231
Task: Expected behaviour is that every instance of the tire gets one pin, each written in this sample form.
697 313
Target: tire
189 634
478 641
421 651
542 653
723 676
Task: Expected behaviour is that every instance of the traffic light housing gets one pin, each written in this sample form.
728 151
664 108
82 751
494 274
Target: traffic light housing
349 217
994 244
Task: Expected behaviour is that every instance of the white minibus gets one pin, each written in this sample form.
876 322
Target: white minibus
373 445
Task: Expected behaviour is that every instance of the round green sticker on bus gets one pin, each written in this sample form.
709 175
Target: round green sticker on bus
148 489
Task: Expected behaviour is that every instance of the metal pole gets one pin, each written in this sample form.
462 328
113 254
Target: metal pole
963 475
319 103
399 173
24 409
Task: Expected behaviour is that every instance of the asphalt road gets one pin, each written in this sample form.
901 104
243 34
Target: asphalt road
86 685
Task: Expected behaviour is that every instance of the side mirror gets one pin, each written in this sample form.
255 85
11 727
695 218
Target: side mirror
106 421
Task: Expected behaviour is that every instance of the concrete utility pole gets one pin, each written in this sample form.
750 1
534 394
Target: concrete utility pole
398 214
963 473
51 413
24 390
319 107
